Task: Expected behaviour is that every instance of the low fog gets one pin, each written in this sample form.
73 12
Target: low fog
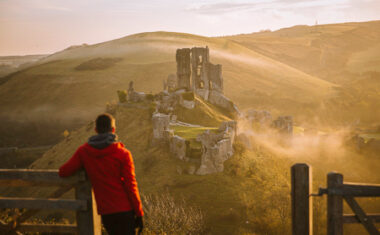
321 147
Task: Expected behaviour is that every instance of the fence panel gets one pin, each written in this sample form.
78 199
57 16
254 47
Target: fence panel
87 219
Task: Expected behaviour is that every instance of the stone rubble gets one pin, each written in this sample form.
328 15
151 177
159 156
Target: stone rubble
160 124
284 124
262 116
178 147
134 96
216 148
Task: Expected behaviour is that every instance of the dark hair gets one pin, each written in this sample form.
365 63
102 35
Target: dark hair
104 123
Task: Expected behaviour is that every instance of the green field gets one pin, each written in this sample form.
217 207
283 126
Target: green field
191 133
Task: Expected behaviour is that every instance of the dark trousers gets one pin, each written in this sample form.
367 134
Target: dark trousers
121 223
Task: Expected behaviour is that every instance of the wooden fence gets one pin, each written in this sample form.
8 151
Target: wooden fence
87 219
337 191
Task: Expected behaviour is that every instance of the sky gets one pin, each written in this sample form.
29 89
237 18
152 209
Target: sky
48 26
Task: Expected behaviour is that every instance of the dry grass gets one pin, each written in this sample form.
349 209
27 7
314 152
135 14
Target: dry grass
98 64
61 92
164 215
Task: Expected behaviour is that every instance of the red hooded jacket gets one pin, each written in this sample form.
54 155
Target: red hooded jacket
112 175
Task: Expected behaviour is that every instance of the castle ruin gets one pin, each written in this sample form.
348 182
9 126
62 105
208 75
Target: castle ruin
197 76
183 68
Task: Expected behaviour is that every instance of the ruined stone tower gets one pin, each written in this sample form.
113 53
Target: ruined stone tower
183 68
206 78
199 65
215 77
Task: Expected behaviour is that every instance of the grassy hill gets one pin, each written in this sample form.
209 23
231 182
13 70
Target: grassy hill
344 54
73 85
333 52
252 194
310 73
277 71
11 64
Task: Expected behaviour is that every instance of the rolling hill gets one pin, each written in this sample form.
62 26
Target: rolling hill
268 71
75 84
10 64
273 71
337 53
344 54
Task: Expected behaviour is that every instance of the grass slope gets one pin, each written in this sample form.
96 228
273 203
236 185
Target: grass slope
73 85
306 72
333 52
218 195
344 54
11 64
251 196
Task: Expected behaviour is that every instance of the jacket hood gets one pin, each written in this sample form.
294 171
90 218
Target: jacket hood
99 153
102 141
102 144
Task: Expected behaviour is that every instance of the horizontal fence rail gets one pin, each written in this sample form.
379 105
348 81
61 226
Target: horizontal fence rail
48 228
87 219
33 203
352 218
356 190
40 177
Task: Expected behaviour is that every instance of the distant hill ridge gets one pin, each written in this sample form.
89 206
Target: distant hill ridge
278 71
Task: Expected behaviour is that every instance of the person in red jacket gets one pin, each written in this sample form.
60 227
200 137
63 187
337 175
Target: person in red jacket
109 166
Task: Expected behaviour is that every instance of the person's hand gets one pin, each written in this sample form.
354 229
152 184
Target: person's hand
139 224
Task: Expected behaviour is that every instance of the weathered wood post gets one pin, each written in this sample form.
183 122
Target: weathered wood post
334 205
88 221
302 204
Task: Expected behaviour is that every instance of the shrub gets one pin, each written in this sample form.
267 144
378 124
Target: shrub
239 147
122 96
149 97
188 96
163 215
66 133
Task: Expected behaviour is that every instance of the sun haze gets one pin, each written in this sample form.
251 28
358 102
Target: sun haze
46 26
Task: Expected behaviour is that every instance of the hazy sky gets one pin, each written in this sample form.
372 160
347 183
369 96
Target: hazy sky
46 26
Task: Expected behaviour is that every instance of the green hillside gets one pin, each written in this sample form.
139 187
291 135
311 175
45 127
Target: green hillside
73 85
250 196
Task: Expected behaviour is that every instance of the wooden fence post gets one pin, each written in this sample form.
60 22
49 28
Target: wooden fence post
302 204
88 221
334 205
